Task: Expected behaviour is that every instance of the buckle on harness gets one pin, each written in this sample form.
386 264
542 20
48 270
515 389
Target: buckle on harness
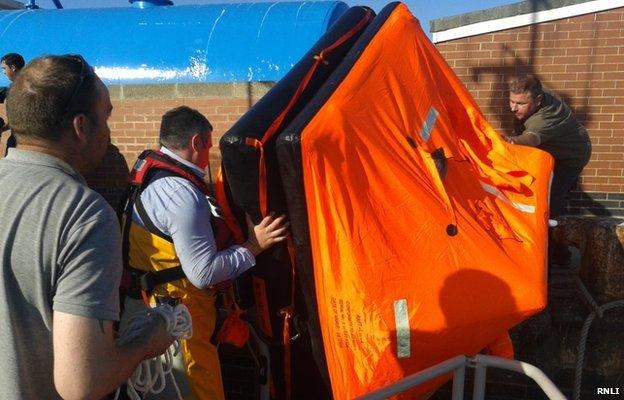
300 327
172 301
147 282
133 289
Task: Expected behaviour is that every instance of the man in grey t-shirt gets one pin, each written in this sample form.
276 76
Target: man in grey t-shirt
543 120
60 243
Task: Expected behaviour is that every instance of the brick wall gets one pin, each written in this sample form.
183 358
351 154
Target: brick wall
580 58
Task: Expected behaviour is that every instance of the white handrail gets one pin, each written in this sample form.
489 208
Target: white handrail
416 379
458 365
527 369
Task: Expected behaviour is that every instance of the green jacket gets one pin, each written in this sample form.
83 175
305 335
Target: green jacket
560 133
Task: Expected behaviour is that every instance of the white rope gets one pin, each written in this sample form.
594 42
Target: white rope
150 376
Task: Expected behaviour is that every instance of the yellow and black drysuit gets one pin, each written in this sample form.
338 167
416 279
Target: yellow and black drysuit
154 273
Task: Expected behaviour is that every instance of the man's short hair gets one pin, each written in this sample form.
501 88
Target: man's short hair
13 60
178 125
526 83
48 93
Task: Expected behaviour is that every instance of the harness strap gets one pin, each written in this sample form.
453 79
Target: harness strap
148 280
223 200
140 208
287 314
125 218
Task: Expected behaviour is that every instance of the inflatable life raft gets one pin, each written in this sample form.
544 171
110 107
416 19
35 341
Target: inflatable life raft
418 233
252 184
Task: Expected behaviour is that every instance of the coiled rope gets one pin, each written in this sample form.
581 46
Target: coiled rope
150 376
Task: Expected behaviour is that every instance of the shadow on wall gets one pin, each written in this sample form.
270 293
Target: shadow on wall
580 203
110 179
514 62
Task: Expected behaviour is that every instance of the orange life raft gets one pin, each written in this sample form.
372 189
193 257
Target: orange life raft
252 184
423 231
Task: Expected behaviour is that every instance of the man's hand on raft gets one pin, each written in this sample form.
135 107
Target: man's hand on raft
268 232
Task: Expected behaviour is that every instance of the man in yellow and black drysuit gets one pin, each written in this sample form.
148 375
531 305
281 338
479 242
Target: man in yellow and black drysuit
175 244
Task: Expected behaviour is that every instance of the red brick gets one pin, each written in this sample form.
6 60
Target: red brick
618 181
464 47
505 37
614 15
601 149
613 75
604 67
616 164
605 49
604 84
446 47
607 33
595 132
584 34
568 25
577 51
555 35
610 156
577 68
610 109
614 58
609 172
233 117
559 51
607 188
568 43
599 164
601 101
588 180
612 125
555 69
122 140
610 141
585 18
594 25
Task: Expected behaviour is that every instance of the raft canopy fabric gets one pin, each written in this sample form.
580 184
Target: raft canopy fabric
425 233
253 181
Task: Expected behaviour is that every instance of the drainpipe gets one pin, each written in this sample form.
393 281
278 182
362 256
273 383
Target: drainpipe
150 3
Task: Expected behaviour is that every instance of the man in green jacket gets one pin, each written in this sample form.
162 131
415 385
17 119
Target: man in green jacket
543 120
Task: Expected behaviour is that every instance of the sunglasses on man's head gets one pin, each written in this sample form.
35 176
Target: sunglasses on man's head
85 70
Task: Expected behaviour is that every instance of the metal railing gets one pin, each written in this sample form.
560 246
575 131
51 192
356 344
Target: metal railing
458 365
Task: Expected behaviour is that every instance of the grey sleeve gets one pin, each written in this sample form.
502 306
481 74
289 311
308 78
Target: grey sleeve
90 267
